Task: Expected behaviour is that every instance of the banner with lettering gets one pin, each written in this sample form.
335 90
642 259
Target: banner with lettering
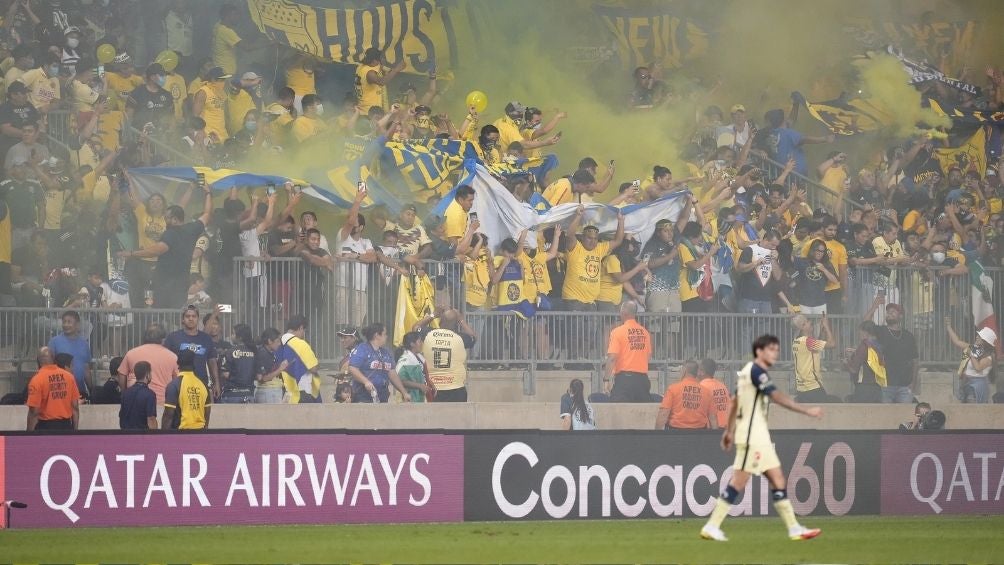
945 45
419 32
644 36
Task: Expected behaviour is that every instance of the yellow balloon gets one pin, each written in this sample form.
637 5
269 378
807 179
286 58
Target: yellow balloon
106 53
477 99
167 59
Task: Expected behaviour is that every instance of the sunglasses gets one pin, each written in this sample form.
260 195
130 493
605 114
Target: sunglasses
643 77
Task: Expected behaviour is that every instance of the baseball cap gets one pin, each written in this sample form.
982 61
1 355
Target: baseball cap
348 331
250 75
122 57
988 335
17 87
411 207
71 29
894 306
217 73
737 108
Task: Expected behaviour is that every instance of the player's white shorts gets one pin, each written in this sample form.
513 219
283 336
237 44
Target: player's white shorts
755 459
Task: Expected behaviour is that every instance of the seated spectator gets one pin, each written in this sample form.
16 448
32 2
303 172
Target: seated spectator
576 412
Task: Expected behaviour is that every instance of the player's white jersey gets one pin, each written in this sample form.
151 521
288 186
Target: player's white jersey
753 388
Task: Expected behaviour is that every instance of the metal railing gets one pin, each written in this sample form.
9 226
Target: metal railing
819 196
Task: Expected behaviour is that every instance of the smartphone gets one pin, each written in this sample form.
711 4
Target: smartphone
473 216
611 162
636 183
881 292
201 180
226 308
361 186
646 257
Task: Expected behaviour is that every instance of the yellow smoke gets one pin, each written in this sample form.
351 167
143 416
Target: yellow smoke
884 84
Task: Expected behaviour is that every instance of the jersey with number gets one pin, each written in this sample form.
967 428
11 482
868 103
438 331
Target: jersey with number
446 356
753 390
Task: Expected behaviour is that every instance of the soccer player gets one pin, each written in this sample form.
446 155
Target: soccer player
755 455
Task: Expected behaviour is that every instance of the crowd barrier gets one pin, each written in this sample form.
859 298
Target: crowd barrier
85 480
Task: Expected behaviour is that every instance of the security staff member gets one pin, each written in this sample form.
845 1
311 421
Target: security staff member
445 353
627 358
53 396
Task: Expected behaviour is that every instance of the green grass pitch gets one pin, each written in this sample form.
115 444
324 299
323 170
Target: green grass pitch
943 539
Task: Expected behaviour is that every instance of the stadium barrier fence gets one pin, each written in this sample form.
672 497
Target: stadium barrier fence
242 477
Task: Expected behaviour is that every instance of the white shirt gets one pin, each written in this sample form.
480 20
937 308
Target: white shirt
358 274
179 33
112 297
251 247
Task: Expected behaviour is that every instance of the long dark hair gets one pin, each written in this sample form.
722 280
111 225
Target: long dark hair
580 409
244 335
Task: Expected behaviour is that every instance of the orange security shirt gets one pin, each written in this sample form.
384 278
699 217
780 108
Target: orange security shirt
689 403
631 343
52 392
720 399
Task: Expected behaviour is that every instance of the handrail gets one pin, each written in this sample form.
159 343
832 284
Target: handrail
776 168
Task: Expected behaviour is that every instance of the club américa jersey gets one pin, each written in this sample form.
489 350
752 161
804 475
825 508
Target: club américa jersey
753 389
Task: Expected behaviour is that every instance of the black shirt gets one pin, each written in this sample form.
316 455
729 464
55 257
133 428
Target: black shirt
750 286
241 364
180 240
314 276
16 116
811 282
150 106
899 350
139 403
281 270
855 251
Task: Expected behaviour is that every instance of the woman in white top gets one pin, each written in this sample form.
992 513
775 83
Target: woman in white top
978 362
576 413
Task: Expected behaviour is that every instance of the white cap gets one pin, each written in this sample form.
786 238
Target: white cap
988 335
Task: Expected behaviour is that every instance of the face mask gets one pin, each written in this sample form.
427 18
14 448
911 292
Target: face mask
251 126
320 109
72 43
489 145
938 258
161 80
533 126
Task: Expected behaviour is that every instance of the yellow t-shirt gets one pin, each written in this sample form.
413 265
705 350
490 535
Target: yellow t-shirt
300 79
83 96
511 291
834 179
224 54
535 273
55 202
5 240
305 127
914 220
94 191
279 126
175 84
191 402
84 156
508 132
12 75
214 111
455 219
119 88
238 105
368 94
110 129
195 85
687 292
476 281
41 88
559 192
808 352
446 359
148 228
836 253
582 281
611 290
201 265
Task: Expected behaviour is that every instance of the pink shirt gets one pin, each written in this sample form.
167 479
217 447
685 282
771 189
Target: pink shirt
163 367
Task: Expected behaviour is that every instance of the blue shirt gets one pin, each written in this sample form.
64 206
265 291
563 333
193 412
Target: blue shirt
374 364
81 352
139 403
787 144
200 344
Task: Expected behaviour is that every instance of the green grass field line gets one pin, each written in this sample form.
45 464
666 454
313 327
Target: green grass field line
941 539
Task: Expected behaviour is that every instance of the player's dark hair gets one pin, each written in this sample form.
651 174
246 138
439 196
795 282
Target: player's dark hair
690 367
709 366
371 331
296 323
580 409
142 370
765 341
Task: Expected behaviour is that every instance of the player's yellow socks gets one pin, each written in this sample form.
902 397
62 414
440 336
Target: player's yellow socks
719 513
787 513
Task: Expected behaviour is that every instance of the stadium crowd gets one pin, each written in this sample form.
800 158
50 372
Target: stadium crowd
77 232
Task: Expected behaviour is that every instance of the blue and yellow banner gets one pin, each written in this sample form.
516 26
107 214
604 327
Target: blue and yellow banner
419 32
